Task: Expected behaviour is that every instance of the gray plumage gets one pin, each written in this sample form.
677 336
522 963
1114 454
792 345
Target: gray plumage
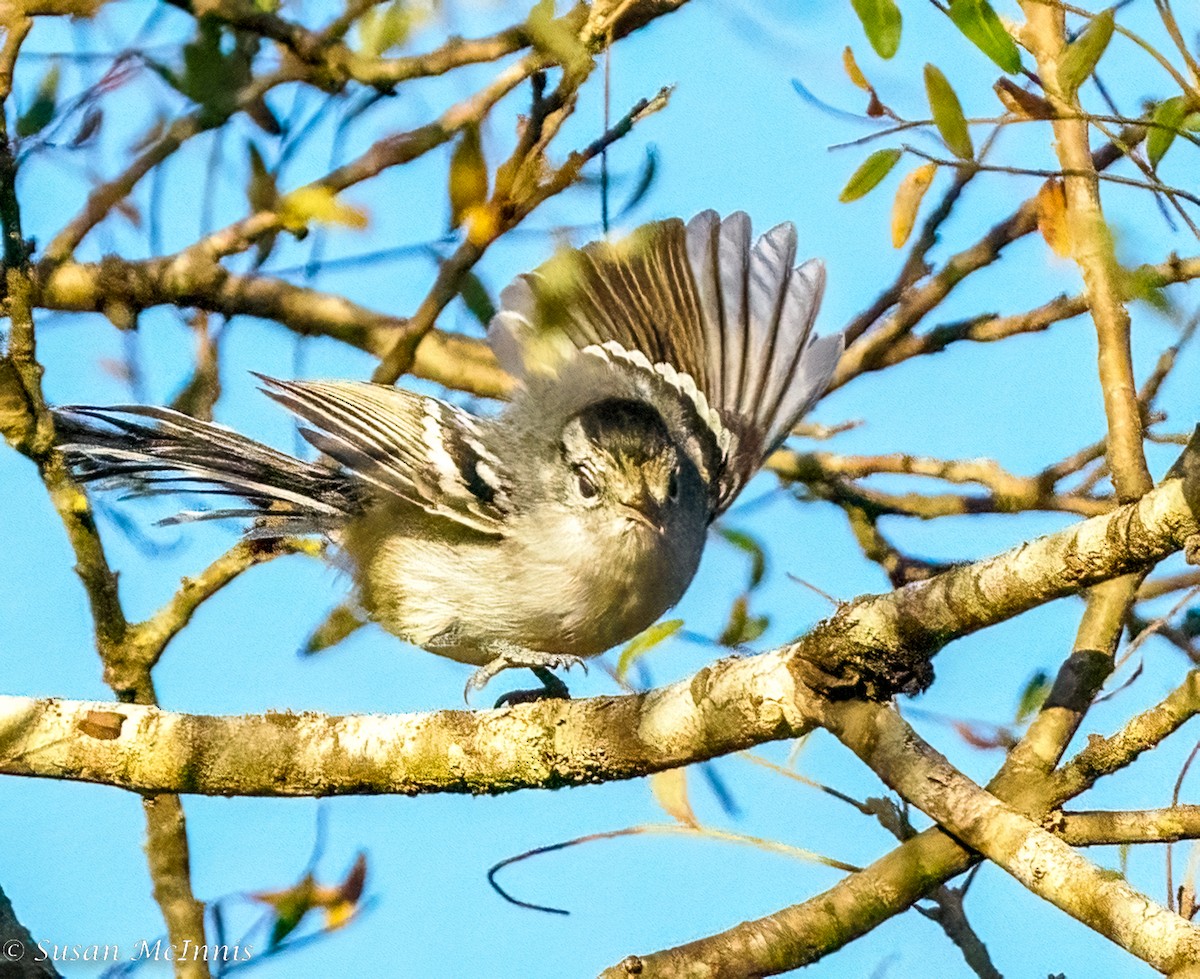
656 373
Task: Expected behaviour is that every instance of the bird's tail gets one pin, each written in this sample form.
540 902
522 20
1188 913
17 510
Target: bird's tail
152 451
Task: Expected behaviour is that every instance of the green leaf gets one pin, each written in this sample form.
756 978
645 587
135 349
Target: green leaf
881 21
1168 118
555 39
644 182
382 28
979 22
758 558
1084 53
742 627
1144 284
211 78
1033 696
341 622
874 168
948 114
41 110
645 641
476 298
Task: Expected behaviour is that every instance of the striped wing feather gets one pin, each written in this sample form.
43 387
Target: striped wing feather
730 319
420 449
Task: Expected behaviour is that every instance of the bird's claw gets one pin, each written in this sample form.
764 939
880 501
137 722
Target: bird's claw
540 663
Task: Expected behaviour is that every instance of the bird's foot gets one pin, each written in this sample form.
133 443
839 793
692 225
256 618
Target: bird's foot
516 657
552 689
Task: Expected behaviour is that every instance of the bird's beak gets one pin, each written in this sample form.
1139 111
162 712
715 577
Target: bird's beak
645 509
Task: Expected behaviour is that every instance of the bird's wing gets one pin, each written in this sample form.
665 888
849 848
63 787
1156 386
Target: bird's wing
420 449
724 322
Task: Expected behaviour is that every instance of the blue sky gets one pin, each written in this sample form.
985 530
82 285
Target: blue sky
735 136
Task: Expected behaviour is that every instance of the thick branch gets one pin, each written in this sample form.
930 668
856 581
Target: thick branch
727 706
803 933
1092 249
446 358
1045 865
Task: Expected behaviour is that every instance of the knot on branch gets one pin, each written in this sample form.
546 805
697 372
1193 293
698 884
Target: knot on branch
866 650
18 421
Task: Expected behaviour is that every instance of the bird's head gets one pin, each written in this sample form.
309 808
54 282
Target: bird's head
622 463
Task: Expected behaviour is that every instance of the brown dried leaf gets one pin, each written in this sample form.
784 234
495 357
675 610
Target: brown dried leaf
1025 104
1052 218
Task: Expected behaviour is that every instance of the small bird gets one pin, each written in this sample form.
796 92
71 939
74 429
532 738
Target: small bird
656 374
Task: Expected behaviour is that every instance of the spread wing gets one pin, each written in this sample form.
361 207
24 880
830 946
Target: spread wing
420 449
725 325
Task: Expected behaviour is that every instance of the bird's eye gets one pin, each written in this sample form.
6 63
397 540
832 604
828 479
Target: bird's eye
673 486
587 489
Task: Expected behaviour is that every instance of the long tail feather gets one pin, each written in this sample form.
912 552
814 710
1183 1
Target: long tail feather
153 451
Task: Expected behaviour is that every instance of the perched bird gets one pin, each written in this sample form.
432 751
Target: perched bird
656 374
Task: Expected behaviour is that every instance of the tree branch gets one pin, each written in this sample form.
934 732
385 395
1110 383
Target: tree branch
1047 866
728 706
455 361
803 933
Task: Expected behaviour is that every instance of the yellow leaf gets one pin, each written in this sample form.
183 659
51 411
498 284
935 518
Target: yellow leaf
468 175
643 642
338 914
1052 217
908 201
305 205
482 223
852 69
670 792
